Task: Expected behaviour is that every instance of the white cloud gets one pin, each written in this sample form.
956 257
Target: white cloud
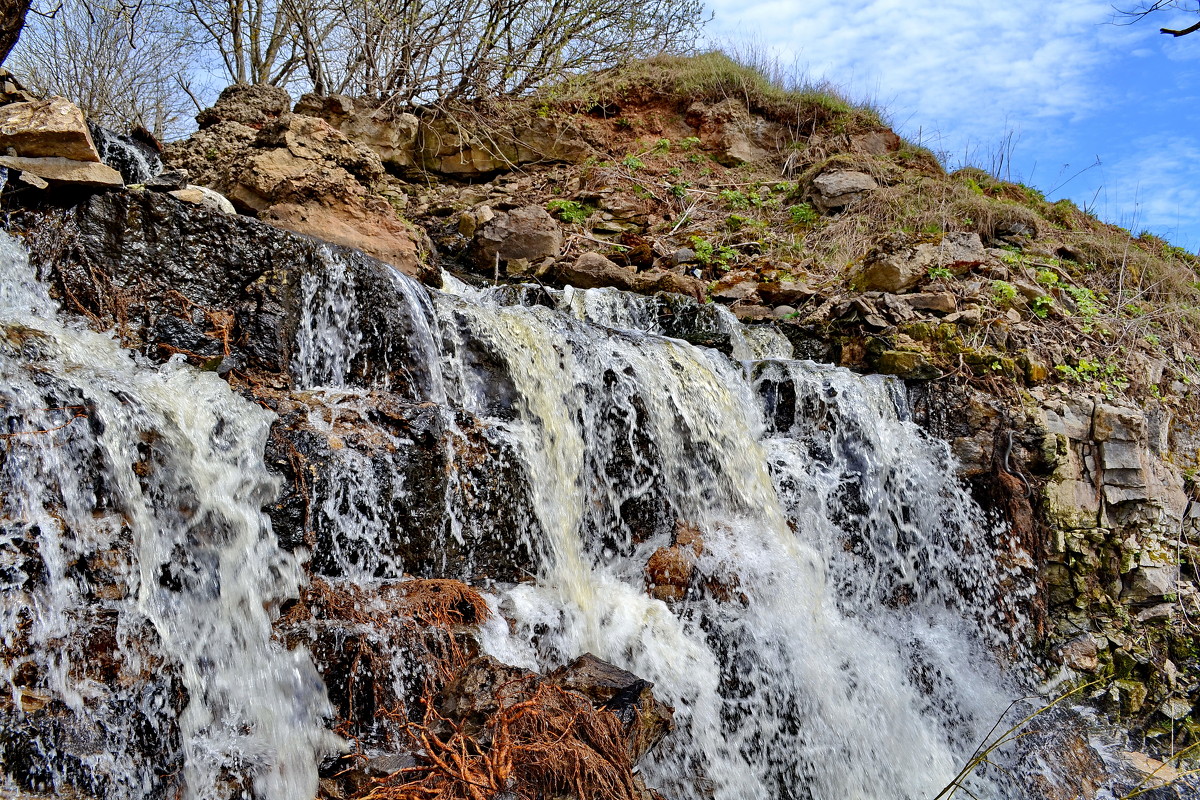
978 64
1156 186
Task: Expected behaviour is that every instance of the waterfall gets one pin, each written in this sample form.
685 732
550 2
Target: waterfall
134 549
835 636
136 162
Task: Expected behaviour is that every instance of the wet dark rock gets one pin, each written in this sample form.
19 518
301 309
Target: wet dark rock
694 322
420 466
137 161
646 719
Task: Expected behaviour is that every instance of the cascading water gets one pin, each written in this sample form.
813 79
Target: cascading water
833 640
136 162
134 548
842 653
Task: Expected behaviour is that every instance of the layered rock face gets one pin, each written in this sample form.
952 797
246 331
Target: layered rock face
424 442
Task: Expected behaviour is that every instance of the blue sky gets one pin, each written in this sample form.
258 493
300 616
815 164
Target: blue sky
1058 81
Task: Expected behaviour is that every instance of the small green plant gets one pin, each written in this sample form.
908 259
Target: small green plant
939 273
624 123
1086 302
679 189
1047 277
1014 258
662 146
675 172
1004 293
696 158
803 214
568 211
710 255
688 143
1042 305
734 199
632 163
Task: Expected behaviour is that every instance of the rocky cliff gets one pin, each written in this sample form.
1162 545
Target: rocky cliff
1053 353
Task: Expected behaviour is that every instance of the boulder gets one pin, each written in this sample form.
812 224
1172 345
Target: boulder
315 140
65 172
250 105
645 719
364 223
51 128
1151 583
897 264
661 280
839 189
203 196
592 271
528 232
391 135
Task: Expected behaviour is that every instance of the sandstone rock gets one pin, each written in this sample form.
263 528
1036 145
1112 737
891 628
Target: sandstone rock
734 135
65 172
661 280
875 143
750 312
942 302
211 154
896 265
51 128
968 316
316 140
785 292
1081 653
203 196
839 189
246 104
593 271
392 136
736 286
527 232
366 224
669 572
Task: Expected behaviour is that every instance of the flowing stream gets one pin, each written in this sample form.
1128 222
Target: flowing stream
835 640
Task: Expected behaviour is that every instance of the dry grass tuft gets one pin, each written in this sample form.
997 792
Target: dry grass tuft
543 742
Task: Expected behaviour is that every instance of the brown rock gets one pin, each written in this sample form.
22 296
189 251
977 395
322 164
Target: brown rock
391 135
250 105
65 172
669 572
875 143
316 140
661 280
785 292
528 232
897 265
51 128
368 224
592 271
1081 653
942 302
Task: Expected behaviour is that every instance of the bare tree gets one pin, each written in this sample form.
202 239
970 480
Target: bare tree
425 51
1146 8
254 39
122 65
